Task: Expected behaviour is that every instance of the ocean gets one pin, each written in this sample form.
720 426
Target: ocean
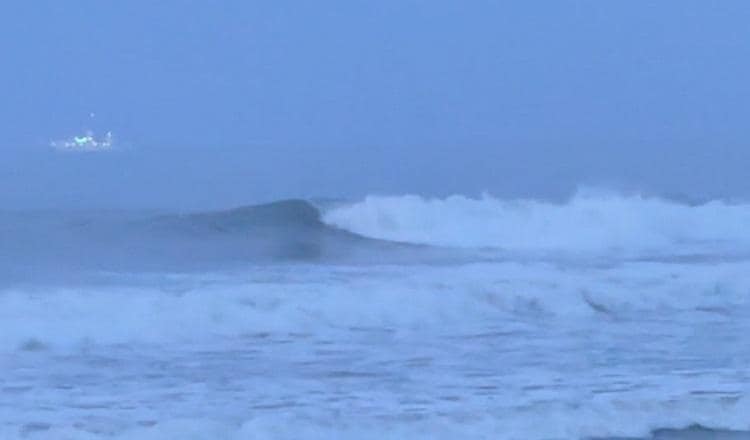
606 316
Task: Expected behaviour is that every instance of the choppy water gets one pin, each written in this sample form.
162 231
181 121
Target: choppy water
315 332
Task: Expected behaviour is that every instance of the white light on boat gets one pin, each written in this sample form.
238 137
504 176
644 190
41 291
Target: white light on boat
86 143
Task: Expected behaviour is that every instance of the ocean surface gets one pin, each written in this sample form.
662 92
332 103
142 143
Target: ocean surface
394 317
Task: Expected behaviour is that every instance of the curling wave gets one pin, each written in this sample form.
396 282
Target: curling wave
289 230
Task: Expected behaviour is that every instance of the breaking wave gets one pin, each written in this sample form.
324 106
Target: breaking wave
587 223
295 299
378 229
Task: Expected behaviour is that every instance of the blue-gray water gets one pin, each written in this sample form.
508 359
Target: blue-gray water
605 317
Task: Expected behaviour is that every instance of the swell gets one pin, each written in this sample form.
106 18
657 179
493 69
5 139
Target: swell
42 243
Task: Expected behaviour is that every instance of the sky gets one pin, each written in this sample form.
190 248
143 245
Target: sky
217 104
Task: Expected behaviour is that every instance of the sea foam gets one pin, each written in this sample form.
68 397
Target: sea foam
588 222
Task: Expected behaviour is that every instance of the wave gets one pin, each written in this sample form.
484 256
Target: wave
294 299
587 223
535 317
287 230
291 230
378 229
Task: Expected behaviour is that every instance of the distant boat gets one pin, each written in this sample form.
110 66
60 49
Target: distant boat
87 142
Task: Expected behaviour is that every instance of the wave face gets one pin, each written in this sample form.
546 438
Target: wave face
285 230
587 223
42 243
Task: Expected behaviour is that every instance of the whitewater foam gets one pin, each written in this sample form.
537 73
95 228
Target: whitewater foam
587 223
299 299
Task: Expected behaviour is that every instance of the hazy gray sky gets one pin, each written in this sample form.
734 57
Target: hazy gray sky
224 103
